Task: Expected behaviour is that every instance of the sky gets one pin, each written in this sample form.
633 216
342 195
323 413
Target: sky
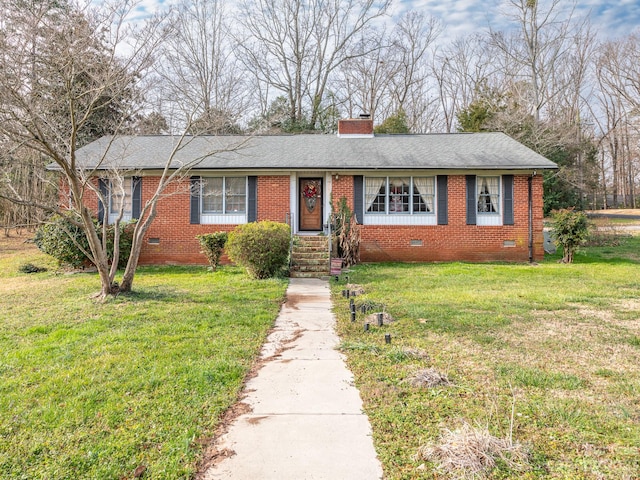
610 18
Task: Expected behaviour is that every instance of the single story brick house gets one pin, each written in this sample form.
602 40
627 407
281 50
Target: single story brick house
434 197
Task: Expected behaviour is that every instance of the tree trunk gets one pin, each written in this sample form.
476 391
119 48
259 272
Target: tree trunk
107 287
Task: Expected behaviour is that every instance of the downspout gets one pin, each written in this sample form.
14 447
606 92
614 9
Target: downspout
530 185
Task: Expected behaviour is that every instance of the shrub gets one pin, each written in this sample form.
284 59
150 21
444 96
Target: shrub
570 229
31 268
65 241
262 248
212 246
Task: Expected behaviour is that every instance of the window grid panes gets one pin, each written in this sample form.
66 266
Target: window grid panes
121 196
488 189
399 195
224 195
212 189
376 195
424 189
235 194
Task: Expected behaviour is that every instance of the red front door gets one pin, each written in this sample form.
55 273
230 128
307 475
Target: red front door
310 204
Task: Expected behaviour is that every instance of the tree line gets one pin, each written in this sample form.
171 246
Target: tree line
71 73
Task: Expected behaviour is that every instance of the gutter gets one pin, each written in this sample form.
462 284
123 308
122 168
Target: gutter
530 192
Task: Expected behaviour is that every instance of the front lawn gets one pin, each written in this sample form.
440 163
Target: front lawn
546 357
91 390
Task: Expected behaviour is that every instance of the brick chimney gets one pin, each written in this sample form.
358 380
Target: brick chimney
356 127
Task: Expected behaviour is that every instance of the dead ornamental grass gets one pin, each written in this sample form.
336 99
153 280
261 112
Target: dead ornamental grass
372 319
471 452
415 353
355 288
429 378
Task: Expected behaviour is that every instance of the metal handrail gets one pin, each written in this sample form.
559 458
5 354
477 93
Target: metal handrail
289 221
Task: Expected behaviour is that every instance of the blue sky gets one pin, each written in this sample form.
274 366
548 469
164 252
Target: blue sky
611 19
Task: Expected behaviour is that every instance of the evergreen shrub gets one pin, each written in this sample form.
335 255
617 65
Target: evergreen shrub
212 245
261 247
65 241
570 229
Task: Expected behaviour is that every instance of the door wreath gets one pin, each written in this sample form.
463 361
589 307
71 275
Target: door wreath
310 195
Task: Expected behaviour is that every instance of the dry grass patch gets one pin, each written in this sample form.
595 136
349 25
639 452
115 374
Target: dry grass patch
415 353
428 378
355 288
373 318
472 452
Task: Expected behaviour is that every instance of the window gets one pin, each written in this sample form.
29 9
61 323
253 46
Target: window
120 197
488 195
224 195
399 195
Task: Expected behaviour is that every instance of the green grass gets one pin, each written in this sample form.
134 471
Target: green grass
561 341
94 390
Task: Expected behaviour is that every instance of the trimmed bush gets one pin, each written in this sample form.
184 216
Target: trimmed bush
212 246
262 248
64 241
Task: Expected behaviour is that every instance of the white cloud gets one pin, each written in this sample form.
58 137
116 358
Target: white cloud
460 17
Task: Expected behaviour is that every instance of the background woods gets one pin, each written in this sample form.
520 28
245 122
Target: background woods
272 66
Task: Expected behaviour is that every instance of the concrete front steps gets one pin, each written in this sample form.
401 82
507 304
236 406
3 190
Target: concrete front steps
310 256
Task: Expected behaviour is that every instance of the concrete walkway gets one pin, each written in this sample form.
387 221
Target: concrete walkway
306 419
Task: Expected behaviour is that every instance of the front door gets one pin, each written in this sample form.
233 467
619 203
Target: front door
310 204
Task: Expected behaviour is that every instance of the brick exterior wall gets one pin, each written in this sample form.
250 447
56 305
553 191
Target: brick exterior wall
342 187
455 241
273 198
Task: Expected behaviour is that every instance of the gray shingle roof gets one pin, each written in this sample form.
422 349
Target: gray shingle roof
433 151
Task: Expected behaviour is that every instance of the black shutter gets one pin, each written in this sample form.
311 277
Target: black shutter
507 199
472 202
358 197
195 201
103 186
252 199
443 199
136 197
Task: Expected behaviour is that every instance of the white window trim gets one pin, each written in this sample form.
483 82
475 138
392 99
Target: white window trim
404 218
489 219
211 218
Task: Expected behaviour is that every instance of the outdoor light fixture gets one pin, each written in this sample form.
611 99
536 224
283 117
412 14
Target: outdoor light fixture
380 319
387 338
366 327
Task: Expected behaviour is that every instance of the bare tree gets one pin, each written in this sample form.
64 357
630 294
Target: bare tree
295 46
199 72
413 37
462 72
539 47
618 103
363 82
52 86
